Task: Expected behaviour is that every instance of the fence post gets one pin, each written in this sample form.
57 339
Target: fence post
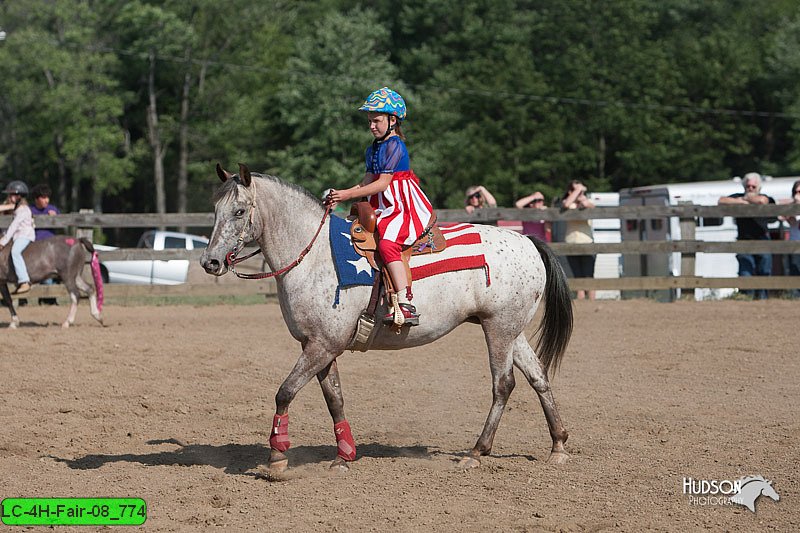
688 227
85 232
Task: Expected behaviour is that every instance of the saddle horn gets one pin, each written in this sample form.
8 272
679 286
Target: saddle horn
223 174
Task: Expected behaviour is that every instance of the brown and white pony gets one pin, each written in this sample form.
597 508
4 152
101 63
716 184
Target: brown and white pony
59 256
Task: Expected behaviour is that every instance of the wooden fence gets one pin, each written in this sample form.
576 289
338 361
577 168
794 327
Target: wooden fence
687 246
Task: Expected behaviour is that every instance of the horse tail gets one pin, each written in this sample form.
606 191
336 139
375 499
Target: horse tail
97 276
87 244
555 329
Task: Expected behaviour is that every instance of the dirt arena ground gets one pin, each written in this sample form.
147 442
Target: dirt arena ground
173 404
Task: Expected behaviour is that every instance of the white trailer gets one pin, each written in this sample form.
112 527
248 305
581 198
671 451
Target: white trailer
708 229
606 230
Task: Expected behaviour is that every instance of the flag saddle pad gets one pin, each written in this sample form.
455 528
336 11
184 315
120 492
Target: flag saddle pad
461 249
448 248
365 241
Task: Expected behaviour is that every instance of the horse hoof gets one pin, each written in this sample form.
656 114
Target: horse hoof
339 465
558 458
14 324
65 325
468 462
279 466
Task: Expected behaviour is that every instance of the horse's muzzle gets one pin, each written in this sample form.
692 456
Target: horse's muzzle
212 266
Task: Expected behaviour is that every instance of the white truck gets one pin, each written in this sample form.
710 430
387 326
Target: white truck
153 271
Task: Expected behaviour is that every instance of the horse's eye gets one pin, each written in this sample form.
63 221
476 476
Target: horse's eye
240 212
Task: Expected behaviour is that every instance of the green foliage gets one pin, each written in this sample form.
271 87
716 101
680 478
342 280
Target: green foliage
62 103
784 61
515 95
334 67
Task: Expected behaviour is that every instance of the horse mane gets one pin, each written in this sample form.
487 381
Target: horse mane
231 187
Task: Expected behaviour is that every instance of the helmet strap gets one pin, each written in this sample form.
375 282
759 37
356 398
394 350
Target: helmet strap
389 130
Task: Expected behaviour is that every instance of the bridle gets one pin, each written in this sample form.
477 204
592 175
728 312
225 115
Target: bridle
231 260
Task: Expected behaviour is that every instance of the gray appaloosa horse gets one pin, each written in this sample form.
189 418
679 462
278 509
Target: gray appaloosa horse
57 256
282 218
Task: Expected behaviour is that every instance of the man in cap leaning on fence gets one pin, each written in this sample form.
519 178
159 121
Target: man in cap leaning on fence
752 229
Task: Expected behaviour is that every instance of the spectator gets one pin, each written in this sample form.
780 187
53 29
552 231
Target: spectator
794 235
42 206
477 197
536 228
579 232
752 229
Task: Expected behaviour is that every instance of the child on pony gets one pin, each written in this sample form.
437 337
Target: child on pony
402 209
20 231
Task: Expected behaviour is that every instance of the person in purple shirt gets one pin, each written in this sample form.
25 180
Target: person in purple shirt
42 206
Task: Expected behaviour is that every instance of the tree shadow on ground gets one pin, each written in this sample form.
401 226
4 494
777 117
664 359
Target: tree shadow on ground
238 459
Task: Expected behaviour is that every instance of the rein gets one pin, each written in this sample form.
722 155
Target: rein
232 260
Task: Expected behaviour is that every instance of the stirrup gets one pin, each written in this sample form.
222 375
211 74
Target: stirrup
409 314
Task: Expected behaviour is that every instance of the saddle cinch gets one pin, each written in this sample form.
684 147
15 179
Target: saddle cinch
365 241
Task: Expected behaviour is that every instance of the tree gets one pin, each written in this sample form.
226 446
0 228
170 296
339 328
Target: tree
148 33
62 105
238 63
481 117
112 101
331 71
784 66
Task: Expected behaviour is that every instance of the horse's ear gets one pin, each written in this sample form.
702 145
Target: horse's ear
244 174
223 174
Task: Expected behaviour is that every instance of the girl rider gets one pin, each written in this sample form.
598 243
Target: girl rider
20 231
402 209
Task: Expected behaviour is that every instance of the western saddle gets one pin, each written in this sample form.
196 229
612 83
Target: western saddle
365 241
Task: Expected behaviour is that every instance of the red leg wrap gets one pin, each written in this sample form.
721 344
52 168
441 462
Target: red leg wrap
344 441
279 438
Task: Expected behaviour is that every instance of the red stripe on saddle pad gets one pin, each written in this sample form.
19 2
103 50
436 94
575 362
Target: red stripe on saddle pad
469 238
448 265
450 227
463 252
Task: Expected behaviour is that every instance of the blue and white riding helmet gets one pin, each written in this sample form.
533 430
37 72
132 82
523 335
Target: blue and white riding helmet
387 101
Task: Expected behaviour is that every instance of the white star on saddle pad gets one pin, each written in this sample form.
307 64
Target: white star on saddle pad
362 265
351 269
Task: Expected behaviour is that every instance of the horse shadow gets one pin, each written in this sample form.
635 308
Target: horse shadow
238 459
27 324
